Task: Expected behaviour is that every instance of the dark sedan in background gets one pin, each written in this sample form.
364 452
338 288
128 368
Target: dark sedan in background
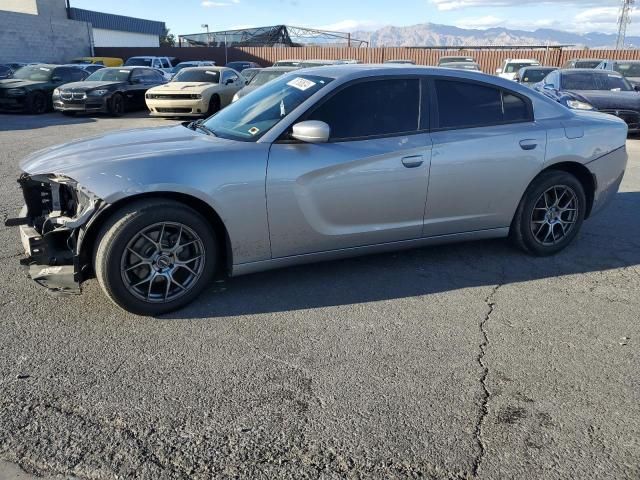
30 88
598 90
110 90
629 69
531 75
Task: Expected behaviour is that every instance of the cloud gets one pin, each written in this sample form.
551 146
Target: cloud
210 4
445 5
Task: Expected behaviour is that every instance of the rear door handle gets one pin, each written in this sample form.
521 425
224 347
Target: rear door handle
413 161
528 144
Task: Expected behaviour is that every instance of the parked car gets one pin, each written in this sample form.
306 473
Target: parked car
240 66
461 65
511 66
316 165
195 92
582 63
400 62
161 63
113 90
529 76
105 61
287 63
249 73
264 76
630 69
588 89
454 59
318 63
31 86
193 63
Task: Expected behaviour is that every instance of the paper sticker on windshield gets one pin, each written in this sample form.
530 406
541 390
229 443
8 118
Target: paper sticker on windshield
45 69
254 130
211 73
301 83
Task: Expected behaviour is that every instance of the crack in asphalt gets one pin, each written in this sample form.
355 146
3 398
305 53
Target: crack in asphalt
486 394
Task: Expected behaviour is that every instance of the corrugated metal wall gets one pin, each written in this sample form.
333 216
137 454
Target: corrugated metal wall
489 60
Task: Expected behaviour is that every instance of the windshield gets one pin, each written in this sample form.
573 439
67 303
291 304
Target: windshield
255 114
628 69
514 67
595 81
455 60
138 62
205 76
264 77
180 66
588 63
34 73
109 75
534 75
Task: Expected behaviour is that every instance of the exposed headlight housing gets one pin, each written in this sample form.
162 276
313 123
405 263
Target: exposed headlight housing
99 92
56 92
579 105
16 92
236 97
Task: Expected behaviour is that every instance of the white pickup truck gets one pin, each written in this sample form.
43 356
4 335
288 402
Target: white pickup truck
161 63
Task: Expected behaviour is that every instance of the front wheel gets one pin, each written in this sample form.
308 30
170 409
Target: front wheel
116 105
214 105
37 103
550 213
155 256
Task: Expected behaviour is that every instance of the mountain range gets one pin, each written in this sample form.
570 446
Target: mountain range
432 34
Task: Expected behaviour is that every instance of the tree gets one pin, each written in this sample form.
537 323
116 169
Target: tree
168 39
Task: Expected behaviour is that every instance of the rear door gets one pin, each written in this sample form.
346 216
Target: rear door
367 185
486 150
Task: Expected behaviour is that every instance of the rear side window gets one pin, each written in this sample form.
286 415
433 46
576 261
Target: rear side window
466 105
375 108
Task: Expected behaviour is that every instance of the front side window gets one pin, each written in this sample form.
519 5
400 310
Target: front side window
165 63
631 69
467 105
373 108
249 118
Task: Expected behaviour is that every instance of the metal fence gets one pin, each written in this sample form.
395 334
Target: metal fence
489 60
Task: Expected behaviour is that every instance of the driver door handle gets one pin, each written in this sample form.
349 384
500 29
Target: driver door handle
413 161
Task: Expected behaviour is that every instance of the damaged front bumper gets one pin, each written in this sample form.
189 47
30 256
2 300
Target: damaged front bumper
51 225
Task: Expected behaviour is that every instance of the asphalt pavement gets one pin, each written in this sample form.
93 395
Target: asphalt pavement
463 361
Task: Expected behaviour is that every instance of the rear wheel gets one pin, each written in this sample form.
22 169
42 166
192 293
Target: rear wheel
550 213
37 103
155 256
117 105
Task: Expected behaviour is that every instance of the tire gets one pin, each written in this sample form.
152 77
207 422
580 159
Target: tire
214 105
37 103
543 225
117 105
126 255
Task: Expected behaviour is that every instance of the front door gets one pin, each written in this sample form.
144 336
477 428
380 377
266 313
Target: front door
366 186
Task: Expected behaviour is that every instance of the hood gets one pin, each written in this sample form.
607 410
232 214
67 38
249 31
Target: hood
18 83
183 87
604 99
114 147
86 86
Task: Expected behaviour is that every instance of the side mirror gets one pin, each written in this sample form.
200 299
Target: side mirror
498 70
311 131
229 81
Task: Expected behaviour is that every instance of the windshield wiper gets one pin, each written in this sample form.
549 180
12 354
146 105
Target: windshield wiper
199 125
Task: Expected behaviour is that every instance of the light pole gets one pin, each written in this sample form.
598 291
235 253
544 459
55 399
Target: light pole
206 26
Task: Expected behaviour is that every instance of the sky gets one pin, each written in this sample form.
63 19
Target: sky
187 16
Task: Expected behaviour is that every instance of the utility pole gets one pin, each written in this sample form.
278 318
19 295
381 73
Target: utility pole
624 20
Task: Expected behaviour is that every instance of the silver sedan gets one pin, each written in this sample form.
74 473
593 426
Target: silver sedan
316 165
